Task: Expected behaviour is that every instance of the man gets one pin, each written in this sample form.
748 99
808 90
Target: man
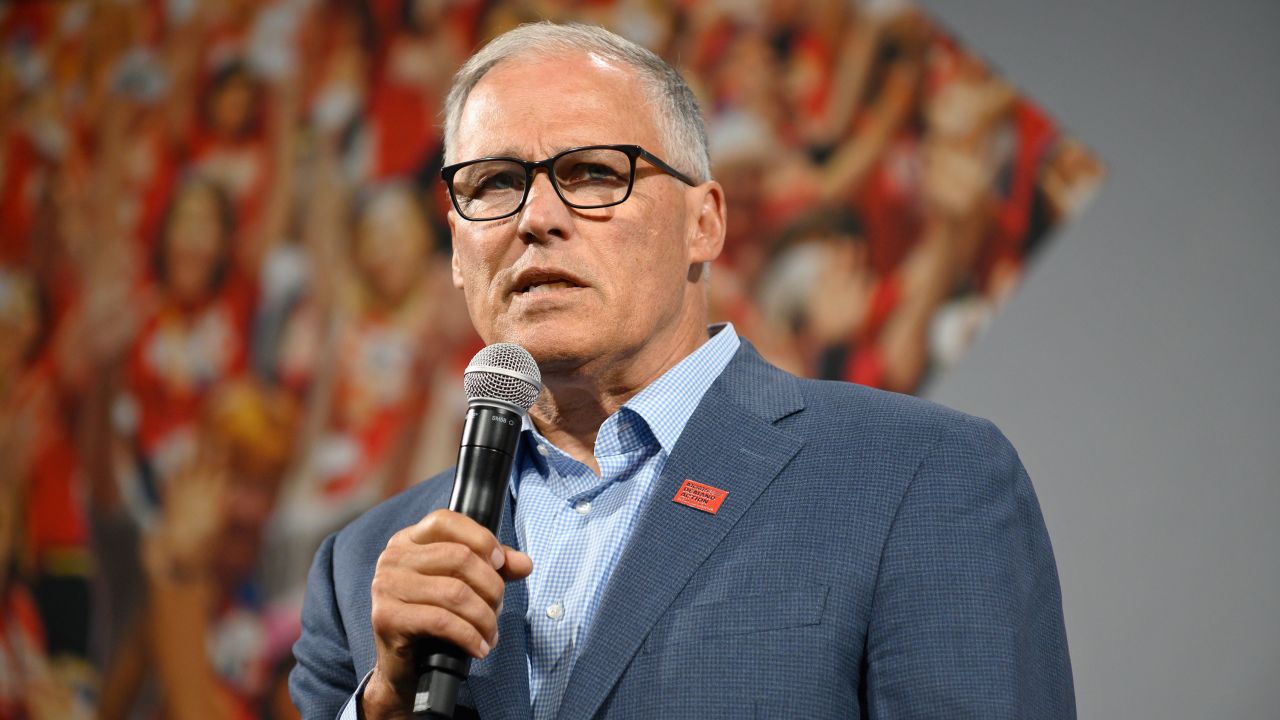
844 552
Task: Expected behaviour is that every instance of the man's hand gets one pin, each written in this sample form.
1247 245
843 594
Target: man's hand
442 578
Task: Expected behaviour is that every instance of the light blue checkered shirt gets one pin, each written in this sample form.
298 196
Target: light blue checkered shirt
574 525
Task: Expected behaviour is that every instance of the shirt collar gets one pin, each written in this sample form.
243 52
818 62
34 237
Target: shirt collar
667 403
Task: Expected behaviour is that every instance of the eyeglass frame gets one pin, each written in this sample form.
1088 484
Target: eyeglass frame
530 167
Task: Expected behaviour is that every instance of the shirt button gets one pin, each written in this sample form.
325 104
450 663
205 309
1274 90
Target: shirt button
555 611
583 507
542 450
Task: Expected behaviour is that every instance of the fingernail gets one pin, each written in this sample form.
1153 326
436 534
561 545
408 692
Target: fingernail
484 649
498 558
499 610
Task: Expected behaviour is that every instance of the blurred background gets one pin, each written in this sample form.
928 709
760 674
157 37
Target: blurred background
228 325
1136 371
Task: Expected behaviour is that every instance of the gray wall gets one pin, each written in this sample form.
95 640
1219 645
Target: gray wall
1137 369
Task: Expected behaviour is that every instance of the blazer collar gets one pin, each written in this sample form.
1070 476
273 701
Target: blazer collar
730 443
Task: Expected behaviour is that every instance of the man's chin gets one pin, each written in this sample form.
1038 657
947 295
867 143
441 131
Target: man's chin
556 348
555 353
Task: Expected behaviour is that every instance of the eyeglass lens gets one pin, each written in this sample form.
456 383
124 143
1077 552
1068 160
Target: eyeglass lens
590 178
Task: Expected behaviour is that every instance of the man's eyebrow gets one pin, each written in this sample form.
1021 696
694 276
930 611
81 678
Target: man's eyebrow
502 152
511 152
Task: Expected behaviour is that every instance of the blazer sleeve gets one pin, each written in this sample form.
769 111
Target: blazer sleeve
967 612
324 677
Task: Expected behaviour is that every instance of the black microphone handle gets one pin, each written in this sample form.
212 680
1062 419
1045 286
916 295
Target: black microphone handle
489 438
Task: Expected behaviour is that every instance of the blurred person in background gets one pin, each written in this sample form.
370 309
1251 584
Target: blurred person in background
229 143
371 344
28 685
206 643
159 342
376 327
193 332
218 116
195 309
419 43
845 321
875 165
43 552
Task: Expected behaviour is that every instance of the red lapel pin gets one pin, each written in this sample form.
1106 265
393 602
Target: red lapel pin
700 497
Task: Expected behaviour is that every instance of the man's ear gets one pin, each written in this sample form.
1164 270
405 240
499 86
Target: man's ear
452 217
708 226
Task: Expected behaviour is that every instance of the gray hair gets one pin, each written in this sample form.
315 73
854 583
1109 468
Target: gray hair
684 135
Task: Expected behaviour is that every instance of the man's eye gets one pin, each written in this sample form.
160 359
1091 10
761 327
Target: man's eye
583 172
499 181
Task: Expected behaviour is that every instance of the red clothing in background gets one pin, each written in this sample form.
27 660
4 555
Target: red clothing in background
180 355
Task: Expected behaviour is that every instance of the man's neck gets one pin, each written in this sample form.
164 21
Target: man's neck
573 405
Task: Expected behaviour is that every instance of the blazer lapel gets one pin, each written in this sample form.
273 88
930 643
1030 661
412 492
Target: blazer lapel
729 443
499 684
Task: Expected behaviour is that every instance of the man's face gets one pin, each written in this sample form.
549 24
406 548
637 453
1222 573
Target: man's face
577 286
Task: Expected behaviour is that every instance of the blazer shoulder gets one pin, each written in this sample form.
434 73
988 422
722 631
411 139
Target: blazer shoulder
882 414
843 417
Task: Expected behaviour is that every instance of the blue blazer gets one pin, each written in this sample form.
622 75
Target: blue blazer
877 556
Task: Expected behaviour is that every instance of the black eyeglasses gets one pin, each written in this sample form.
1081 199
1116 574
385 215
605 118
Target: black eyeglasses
587 178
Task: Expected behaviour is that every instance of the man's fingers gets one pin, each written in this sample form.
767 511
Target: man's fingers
447 593
416 621
449 526
446 559
518 565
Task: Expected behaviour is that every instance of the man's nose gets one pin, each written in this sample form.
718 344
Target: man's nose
544 215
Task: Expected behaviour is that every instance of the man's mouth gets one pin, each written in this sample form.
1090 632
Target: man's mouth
546 287
533 282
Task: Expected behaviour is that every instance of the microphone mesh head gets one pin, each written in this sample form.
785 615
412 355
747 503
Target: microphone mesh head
505 372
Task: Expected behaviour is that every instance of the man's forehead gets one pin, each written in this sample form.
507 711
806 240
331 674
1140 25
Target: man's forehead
589 76
549 104
584 58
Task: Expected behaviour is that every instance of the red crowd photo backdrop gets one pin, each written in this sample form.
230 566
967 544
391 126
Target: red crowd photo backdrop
225 302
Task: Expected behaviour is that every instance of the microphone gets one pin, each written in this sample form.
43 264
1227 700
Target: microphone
501 383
